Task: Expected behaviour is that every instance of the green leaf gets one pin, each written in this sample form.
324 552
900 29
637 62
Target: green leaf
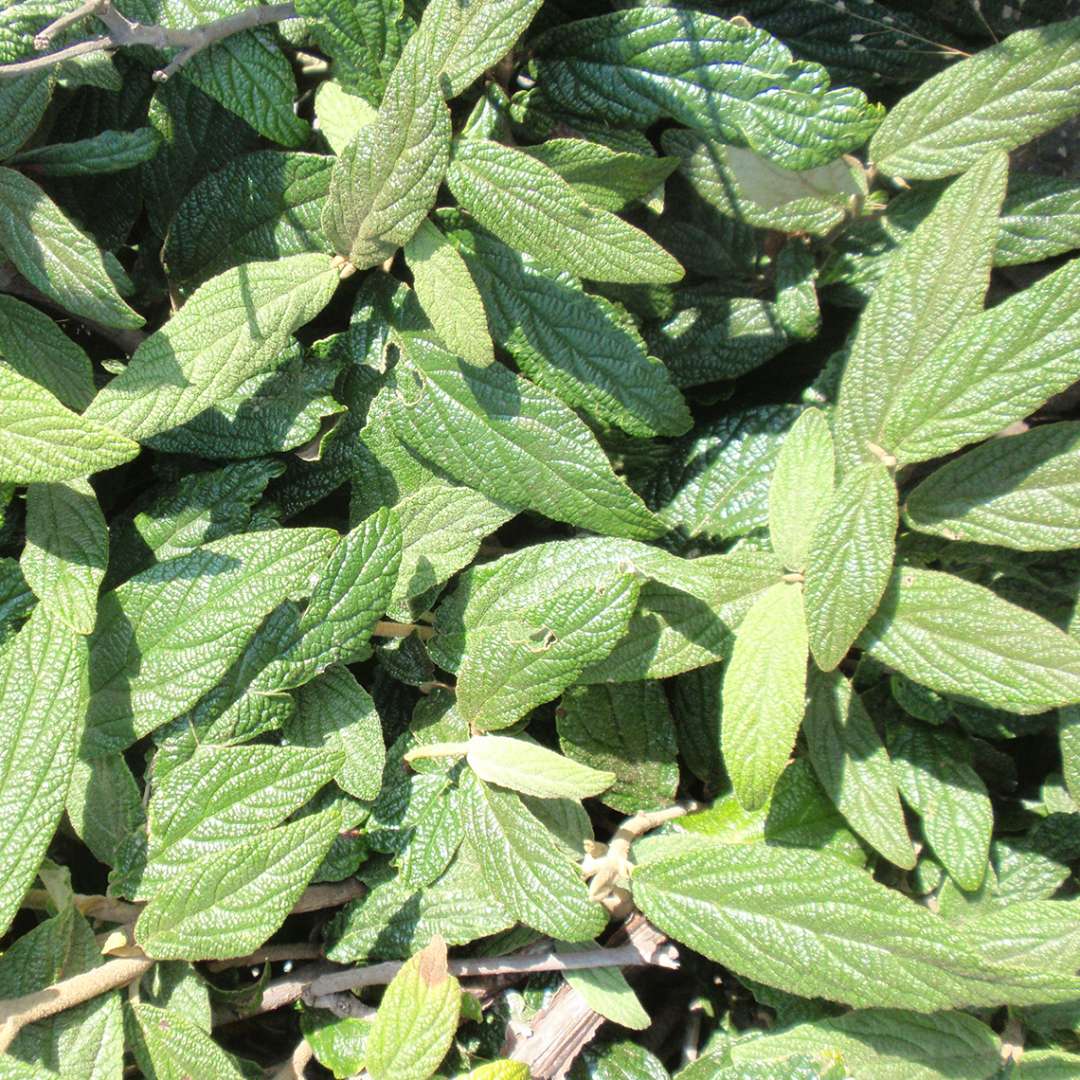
168 1046
336 713
990 371
338 1042
104 805
525 867
1069 741
341 114
624 1061
1040 218
229 903
937 279
801 487
533 209
569 341
250 75
23 102
264 205
936 779
811 924
448 295
850 559
1035 934
235 326
764 692
43 695
55 256
854 768
222 796
385 181
151 660
67 548
1031 480
42 442
39 350
512 441
417 1018
626 730
730 81
525 766
960 638
996 100
606 991
108 152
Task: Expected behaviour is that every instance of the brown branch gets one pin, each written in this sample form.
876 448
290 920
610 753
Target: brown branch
293 1069
270 954
396 629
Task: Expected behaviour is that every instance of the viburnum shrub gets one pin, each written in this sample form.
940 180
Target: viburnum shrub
539 539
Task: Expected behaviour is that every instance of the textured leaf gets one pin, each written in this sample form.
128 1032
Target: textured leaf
606 991
801 487
341 114
1069 742
996 100
110 151
230 903
168 1046
1040 218
417 1018
1034 934
336 713
733 82
512 441
812 925
854 768
530 207
235 326
55 256
528 767
569 341
960 638
43 442
264 205
933 770
38 349
626 730
104 805
764 692
991 370
67 547
385 181
936 280
43 691
23 102
849 562
1021 492
448 295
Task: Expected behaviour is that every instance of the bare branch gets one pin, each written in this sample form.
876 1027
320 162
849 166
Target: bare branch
302 950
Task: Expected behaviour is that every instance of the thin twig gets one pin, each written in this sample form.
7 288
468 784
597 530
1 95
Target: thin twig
396 629
344 1005
270 954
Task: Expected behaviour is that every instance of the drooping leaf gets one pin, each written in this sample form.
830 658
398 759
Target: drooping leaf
525 766
341 114
168 1046
111 151
607 992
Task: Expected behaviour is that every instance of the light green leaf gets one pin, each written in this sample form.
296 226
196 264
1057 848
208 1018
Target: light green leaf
341 114
1048 1065
990 371
67 548
1034 934
504 1069
104 805
1040 218
38 349
996 100
385 181
417 1018
730 81
151 660
336 713
524 865
107 152
936 280
813 925
625 729
960 638
797 309
448 295
250 75
512 441
801 487
764 692
849 562
235 326
525 766
168 1046
606 991
533 209
1020 492
264 205
43 695
230 903
854 768
42 442
224 795
337 1042
1069 741
569 341
934 772
55 256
